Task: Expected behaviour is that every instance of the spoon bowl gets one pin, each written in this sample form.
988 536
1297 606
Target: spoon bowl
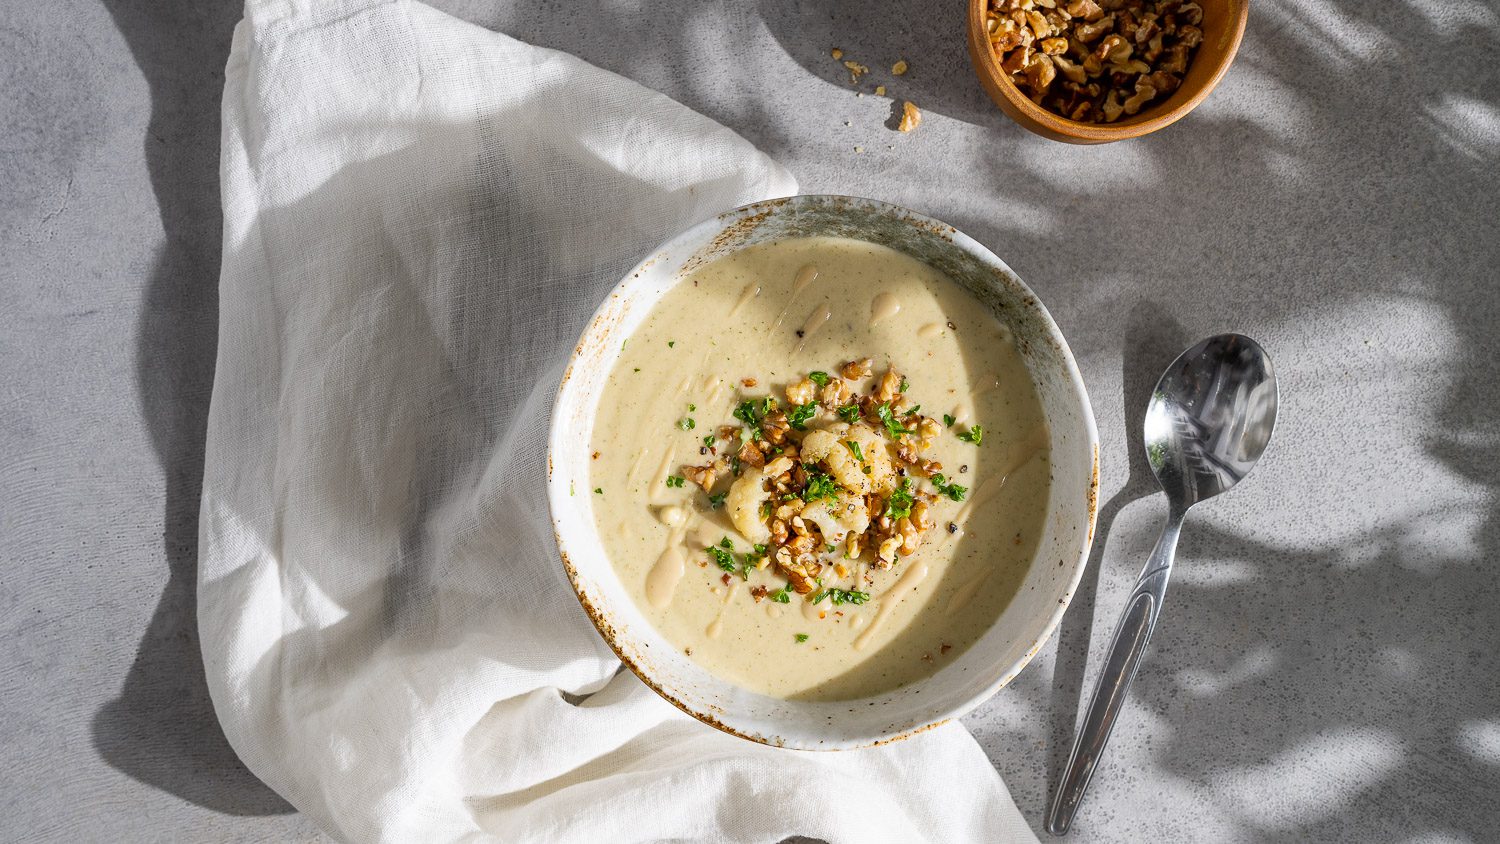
1210 417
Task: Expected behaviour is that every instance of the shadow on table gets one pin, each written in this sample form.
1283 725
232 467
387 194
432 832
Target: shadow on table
162 730
1354 688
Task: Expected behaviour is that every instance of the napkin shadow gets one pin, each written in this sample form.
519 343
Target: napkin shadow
161 729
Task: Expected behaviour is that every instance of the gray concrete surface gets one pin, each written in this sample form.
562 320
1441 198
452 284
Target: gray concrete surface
1329 663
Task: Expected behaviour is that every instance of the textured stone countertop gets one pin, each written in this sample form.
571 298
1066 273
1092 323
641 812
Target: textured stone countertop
1328 666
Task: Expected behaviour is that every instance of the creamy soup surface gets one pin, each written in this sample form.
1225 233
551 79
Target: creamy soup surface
772 313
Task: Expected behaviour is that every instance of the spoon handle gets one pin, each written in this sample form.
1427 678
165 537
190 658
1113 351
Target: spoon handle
1125 652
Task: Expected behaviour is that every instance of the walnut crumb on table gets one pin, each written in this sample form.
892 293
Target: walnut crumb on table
911 118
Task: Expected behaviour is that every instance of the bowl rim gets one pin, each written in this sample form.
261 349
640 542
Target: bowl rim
1043 122
703 232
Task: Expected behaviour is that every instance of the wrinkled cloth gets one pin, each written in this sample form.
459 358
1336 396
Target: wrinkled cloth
419 217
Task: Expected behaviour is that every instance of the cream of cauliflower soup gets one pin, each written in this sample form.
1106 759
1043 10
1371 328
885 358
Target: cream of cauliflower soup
820 468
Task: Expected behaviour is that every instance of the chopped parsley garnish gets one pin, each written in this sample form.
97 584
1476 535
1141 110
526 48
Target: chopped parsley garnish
671 343
904 384
953 491
820 486
686 423
842 596
598 490
765 509
849 413
751 412
801 414
722 558
830 548
855 450
782 595
819 378
710 440
725 543
892 427
898 506
948 420
801 637
973 435
717 501
757 553
914 411
674 481
692 407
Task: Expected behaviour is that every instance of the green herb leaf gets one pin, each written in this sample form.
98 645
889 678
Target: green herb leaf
854 449
725 543
953 491
841 596
904 384
820 486
974 435
913 412
948 420
710 440
898 506
686 423
717 501
674 481
723 559
671 343
692 407
752 411
598 490
782 596
819 378
849 413
801 637
892 427
801 414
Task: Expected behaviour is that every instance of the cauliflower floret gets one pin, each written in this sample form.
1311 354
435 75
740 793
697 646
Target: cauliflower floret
829 446
744 504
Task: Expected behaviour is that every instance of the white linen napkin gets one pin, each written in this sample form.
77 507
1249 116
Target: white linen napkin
419 216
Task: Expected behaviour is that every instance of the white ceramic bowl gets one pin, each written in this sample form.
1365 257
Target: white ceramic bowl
1015 636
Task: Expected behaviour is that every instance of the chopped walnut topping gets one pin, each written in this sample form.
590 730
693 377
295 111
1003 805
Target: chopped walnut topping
839 499
856 70
705 475
899 68
748 382
801 392
857 369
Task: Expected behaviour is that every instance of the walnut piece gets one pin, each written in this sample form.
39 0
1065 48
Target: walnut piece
911 118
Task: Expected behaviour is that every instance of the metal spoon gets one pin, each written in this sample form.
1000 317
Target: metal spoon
1209 420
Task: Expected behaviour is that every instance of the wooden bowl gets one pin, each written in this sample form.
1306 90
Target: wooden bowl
1223 27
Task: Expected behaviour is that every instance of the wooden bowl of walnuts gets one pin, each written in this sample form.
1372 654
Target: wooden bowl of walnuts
1095 71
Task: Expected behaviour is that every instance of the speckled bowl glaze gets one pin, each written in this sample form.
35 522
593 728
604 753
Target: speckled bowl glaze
1010 642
